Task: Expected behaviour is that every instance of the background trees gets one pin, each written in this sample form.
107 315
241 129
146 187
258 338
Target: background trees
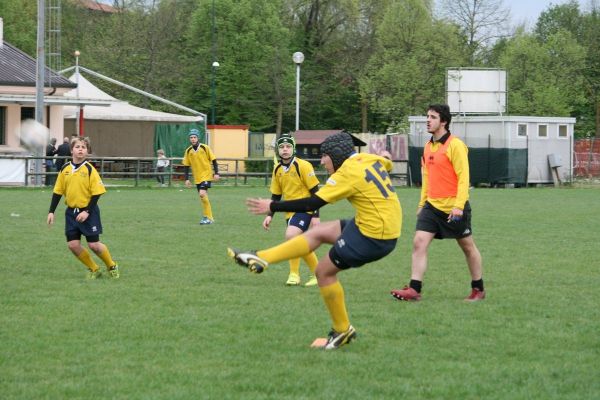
369 63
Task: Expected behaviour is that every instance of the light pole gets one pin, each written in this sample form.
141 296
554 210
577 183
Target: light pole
298 58
213 92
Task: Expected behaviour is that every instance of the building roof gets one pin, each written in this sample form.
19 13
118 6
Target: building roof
95 5
118 110
19 69
317 136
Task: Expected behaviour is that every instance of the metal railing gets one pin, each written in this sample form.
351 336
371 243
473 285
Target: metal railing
137 171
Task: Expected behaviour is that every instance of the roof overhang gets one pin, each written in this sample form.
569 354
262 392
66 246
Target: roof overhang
53 100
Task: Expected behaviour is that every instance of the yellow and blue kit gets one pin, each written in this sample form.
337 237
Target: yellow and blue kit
202 161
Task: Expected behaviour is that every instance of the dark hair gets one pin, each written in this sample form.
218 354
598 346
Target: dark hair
444 112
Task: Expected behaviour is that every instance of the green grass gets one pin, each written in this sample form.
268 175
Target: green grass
183 322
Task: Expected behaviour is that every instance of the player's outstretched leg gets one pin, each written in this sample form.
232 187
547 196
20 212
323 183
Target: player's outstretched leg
249 259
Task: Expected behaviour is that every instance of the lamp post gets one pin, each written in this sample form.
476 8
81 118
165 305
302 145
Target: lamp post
213 92
298 58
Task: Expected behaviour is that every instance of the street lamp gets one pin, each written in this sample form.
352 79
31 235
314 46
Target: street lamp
215 65
298 58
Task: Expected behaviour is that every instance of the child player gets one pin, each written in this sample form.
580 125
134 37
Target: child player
293 179
81 185
201 159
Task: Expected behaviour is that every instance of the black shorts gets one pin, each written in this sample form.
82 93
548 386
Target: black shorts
91 228
353 249
432 220
300 220
204 185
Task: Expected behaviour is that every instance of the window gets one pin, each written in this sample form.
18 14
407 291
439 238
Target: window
543 131
27 113
562 131
522 130
2 125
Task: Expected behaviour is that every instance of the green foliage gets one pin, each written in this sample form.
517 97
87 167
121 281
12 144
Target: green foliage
368 63
259 166
543 77
185 322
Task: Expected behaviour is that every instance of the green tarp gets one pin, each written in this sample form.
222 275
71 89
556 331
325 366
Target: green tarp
173 138
486 165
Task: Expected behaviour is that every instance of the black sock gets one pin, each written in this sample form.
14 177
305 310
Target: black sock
416 285
477 285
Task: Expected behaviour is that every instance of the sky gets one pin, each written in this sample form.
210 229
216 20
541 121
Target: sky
530 10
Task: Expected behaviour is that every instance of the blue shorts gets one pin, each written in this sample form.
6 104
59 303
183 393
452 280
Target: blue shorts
204 185
91 228
353 249
300 220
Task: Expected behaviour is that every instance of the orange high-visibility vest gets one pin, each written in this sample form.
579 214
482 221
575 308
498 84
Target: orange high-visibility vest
442 180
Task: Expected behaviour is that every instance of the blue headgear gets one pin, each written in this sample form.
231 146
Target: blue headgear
194 132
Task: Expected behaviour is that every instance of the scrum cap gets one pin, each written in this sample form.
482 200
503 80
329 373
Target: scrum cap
338 147
289 139
194 132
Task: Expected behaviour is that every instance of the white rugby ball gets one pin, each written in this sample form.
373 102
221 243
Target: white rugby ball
34 136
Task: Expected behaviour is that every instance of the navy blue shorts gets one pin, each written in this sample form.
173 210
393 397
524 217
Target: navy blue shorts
432 220
353 249
300 220
91 228
204 185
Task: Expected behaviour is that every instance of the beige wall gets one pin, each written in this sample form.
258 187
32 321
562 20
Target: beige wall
229 143
13 125
117 138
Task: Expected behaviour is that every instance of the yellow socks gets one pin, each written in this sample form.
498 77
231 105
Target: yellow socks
311 260
106 258
206 206
295 266
294 248
87 260
333 295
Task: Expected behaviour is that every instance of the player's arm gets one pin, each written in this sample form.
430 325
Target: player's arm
267 221
264 206
460 162
85 212
53 204
313 192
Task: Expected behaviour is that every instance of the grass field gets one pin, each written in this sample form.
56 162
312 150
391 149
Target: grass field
183 322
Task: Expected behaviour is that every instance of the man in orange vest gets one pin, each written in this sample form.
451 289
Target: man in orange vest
444 211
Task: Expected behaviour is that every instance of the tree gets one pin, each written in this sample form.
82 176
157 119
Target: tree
543 77
255 75
407 69
481 22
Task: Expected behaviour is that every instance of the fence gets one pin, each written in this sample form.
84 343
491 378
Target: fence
586 155
19 170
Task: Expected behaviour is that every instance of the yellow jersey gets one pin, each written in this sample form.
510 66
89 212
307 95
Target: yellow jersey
294 181
200 160
363 179
78 185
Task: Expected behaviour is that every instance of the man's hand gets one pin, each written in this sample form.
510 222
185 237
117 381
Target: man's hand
82 216
50 219
267 222
385 154
456 214
258 206
216 177
188 184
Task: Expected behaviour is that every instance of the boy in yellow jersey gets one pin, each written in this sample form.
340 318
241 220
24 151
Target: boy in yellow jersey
293 179
372 234
81 185
202 161
444 211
